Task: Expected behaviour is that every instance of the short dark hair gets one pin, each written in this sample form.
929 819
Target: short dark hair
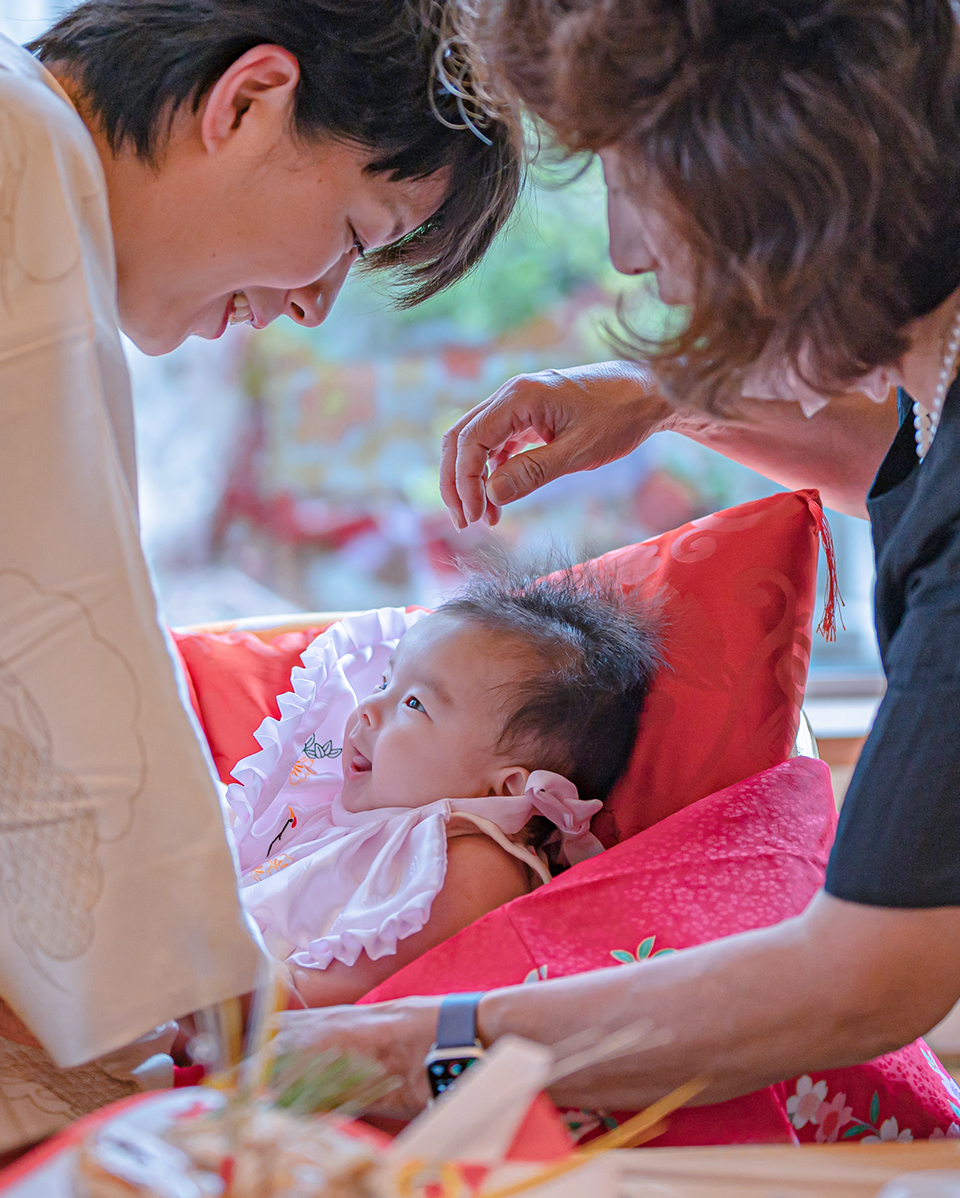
597 651
367 77
807 151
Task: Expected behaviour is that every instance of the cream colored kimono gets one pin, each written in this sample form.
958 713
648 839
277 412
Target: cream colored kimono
118 905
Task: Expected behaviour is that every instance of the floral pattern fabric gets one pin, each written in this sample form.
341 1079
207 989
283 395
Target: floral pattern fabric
823 1117
746 857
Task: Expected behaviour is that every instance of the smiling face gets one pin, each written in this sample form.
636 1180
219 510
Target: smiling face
430 731
241 219
283 239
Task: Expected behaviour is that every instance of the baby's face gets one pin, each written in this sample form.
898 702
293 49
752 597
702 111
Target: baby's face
429 731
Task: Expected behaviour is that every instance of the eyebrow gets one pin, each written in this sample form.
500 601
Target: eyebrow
438 689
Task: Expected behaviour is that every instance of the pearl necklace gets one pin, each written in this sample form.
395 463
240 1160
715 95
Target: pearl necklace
926 421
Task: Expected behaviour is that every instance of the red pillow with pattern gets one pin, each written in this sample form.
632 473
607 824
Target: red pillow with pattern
737 590
234 679
747 857
738 594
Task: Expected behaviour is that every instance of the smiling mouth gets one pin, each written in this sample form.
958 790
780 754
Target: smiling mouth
240 310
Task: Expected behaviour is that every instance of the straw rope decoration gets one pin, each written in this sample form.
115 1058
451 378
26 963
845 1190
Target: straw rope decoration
646 1125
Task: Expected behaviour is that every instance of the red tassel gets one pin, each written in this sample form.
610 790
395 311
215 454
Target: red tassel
832 599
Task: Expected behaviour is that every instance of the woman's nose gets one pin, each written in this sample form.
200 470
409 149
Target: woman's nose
629 252
310 306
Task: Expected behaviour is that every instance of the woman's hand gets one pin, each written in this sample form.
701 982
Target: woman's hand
588 416
396 1034
580 418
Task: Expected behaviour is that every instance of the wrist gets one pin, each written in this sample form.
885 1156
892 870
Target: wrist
493 1015
485 1019
654 412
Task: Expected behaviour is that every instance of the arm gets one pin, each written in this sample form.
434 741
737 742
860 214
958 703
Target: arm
839 984
838 450
480 877
588 416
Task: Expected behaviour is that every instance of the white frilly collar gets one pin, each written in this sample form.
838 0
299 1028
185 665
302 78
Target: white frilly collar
547 794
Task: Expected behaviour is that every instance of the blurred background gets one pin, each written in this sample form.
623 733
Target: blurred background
293 469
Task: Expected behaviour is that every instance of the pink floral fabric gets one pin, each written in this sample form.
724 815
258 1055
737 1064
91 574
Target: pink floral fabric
746 857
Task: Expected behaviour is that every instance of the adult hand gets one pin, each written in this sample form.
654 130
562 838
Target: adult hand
397 1034
580 418
841 983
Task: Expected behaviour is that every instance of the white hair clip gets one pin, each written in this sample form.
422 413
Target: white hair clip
453 78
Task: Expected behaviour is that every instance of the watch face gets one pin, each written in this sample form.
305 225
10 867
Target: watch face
442 1074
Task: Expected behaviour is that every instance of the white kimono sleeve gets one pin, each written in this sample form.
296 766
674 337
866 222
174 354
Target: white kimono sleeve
118 902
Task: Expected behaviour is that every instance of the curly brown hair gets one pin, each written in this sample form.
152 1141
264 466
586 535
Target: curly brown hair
807 151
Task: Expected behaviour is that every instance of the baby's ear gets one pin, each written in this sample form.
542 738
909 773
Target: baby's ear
511 780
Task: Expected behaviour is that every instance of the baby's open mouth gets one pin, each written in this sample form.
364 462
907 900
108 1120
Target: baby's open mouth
240 310
360 764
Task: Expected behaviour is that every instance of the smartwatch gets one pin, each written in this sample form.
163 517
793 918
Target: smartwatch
457 1046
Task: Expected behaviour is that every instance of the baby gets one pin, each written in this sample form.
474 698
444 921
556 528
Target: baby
368 832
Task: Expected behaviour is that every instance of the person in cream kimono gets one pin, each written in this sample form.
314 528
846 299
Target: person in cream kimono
165 172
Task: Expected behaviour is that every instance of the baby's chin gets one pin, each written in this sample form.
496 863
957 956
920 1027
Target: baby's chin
355 795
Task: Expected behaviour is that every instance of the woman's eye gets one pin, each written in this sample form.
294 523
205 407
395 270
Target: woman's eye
414 704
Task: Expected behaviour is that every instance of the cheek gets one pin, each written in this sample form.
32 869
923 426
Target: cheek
398 751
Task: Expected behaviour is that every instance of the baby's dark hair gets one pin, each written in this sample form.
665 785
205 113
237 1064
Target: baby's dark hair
577 713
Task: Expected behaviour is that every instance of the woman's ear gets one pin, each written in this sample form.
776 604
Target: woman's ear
258 87
877 385
511 780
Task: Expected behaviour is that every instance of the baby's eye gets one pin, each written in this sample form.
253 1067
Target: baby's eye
414 704
383 683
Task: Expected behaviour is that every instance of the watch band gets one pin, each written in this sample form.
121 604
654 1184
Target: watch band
457 1021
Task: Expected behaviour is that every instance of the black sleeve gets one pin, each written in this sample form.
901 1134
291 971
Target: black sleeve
898 843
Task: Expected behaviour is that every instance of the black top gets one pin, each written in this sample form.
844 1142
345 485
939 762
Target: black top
898 843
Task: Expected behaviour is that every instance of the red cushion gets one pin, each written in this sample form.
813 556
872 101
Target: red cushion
738 590
236 678
746 857
738 596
